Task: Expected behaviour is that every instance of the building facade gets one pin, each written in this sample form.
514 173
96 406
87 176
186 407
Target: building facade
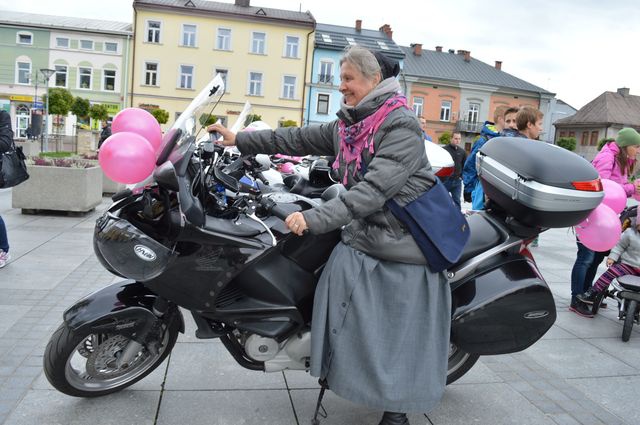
263 55
330 41
599 119
88 57
455 92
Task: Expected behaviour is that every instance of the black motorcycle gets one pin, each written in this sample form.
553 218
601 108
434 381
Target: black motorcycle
207 234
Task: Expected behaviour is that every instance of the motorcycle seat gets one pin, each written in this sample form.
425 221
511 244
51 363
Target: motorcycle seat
630 282
483 236
244 229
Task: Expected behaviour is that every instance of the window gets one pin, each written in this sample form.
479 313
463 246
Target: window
594 138
258 42
255 84
23 72
418 106
153 31
62 42
326 72
289 87
151 73
186 76
109 80
351 41
224 73
585 138
111 47
445 110
474 112
61 76
291 47
86 44
562 134
326 38
223 41
84 78
24 38
323 104
572 134
382 45
189 35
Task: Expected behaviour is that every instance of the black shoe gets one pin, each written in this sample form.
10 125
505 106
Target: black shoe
589 296
581 309
392 418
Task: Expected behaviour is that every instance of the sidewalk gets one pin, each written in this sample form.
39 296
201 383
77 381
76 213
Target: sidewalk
579 373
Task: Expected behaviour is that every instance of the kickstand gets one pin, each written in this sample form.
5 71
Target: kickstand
323 388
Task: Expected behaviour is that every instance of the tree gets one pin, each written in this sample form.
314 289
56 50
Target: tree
60 101
569 143
160 115
445 138
99 112
80 107
251 118
206 120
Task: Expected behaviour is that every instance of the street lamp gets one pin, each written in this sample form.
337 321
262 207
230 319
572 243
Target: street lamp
47 73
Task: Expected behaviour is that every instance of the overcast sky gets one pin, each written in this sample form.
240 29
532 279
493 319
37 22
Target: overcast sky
576 49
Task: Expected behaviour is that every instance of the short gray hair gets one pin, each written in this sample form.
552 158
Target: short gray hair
363 60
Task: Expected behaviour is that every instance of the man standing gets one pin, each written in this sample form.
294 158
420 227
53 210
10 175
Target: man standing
105 133
453 183
423 126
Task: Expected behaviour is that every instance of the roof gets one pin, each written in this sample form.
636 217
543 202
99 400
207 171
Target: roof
608 108
231 9
63 22
450 66
334 37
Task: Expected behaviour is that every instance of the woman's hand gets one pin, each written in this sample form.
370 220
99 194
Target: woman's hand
296 223
610 262
228 138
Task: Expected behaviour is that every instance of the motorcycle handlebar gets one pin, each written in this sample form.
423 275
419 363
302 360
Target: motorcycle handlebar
273 208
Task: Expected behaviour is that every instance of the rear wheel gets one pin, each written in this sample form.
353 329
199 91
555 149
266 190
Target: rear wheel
460 362
629 319
84 364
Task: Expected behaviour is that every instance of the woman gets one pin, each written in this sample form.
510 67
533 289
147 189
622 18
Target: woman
615 161
381 319
6 144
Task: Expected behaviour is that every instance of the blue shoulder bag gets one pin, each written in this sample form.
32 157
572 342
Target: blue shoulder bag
436 224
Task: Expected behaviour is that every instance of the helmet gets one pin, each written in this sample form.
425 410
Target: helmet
320 173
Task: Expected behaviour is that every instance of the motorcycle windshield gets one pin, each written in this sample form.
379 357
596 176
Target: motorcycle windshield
193 122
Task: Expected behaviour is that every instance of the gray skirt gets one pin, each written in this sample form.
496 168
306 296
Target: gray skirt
380 332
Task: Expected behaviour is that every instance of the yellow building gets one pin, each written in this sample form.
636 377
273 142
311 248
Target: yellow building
179 45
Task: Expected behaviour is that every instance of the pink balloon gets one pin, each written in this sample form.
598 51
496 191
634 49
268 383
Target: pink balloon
127 157
287 168
600 231
139 121
614 196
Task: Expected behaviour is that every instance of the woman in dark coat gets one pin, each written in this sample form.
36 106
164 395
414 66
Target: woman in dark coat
6 144
381 318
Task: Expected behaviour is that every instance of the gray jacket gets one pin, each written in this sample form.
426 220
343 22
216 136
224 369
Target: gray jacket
399 169
627 250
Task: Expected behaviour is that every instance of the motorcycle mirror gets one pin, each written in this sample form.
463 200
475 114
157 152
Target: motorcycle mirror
165 176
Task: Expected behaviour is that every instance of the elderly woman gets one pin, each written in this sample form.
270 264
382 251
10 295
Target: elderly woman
381 318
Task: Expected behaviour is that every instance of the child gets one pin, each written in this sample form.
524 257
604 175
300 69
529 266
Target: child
623 259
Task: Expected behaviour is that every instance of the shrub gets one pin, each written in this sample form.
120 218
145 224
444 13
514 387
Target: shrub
445 138
251 118
569 143
603 142
60 162
289 123
160 115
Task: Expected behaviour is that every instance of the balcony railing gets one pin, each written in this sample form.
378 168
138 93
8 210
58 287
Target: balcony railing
469 126
325 79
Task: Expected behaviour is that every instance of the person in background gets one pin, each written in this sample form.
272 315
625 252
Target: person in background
423 126
105 133
528 123
616 161
6 144
381 317
510 123
453 183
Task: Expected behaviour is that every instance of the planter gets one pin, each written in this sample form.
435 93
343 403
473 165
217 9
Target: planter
109 186
29 148
87 142
59 189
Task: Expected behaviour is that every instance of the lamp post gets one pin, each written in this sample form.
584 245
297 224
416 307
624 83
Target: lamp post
47 73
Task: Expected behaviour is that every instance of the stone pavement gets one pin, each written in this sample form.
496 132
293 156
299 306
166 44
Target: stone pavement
579 373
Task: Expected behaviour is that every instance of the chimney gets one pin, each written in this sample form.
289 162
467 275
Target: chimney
467 56
358 25
386 28
452 51
624 91
417 49
499 65
243 3
438 48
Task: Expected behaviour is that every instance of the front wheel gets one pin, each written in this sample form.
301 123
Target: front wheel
84 364
459 363
630 316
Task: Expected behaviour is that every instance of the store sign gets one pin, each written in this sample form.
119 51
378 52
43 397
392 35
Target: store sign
20 98
112 108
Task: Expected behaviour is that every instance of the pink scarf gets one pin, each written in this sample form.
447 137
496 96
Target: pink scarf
359 136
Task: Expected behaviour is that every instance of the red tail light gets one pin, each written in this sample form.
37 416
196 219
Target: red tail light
445 171
589 186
